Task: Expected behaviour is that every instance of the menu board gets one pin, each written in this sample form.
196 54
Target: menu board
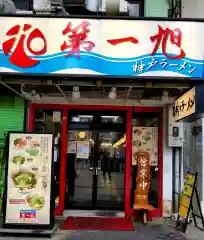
29 179
145 139
71 147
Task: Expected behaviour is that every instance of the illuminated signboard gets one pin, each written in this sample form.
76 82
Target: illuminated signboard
114 47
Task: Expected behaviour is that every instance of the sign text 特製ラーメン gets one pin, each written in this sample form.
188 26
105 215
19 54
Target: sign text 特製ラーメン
185 105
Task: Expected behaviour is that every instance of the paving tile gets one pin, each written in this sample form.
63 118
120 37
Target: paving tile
153 231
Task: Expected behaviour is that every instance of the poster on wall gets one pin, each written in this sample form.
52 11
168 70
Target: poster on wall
82 149
145 139
56 117
72 135
71 147
29 175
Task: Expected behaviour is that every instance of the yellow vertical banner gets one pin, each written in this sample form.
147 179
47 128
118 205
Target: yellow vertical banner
186 195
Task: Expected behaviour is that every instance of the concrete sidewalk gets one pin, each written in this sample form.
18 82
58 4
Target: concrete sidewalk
155 230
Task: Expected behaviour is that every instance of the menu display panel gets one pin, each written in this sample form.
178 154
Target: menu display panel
29 179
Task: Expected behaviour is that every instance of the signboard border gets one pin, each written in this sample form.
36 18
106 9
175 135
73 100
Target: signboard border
96 17
52 201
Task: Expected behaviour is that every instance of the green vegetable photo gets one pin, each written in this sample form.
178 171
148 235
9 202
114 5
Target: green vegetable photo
18 160
24 180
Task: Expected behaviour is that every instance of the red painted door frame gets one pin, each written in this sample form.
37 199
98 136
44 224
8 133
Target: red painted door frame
65 108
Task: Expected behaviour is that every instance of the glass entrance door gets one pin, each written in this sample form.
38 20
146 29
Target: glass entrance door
80 172
95 162
110 185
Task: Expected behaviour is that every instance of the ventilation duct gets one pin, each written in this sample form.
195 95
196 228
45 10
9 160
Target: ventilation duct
110 7
133 9
7 6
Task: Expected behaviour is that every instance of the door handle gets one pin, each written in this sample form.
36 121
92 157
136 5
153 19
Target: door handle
96 171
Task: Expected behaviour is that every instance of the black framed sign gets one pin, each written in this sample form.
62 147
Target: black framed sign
28 201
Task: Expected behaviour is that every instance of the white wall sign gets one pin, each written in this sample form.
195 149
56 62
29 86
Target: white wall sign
56 116
175 130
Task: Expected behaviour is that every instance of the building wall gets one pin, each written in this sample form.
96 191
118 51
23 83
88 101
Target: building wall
193 157
21 4
156 8
193 8
11 114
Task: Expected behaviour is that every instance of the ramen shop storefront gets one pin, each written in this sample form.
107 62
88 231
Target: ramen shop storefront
132 128
86 48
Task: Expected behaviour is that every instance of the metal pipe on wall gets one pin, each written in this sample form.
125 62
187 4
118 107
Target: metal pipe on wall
133 9
92 5
176 178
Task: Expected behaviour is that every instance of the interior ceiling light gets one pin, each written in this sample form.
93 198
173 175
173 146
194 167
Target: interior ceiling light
35 95
165 96
75 92
148 85
112 93
119 142
82 134
99 83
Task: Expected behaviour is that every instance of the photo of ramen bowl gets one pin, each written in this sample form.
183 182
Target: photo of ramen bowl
35 201
20 142
137 143
24 180
138 132
33 151
33 148
147 137
18 160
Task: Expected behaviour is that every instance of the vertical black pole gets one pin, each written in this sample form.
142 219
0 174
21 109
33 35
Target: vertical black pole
174 178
